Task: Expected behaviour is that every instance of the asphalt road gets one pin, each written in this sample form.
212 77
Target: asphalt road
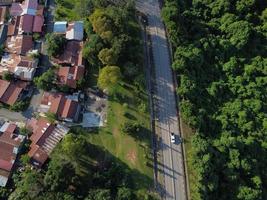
172 167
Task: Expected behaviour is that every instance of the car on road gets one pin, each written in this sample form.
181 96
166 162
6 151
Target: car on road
172 137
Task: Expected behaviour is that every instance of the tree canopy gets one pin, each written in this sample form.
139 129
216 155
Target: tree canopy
220 58
109 76
55 44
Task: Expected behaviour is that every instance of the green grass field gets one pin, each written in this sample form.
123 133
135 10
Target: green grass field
187 134
134 152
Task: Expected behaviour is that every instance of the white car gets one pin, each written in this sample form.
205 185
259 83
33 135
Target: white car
172 138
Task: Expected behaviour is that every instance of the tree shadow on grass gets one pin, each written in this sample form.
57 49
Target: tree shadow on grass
102 161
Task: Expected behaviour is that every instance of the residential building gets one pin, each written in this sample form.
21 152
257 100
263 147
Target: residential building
45 136
75 31
60 27
26 24
27 7
38 24
20 44
10 144
30 16
66 109
13 26
72 54
10 93
22 67
69 76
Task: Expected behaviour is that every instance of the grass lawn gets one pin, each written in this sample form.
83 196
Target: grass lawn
135 152
187 134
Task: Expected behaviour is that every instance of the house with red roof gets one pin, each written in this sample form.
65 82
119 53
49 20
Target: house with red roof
69 76
10 93
72 54
27 7
20 44
13 26
45 136
26 24
10 144
30 16
66 109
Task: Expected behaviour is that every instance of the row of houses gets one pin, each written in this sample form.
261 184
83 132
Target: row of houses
10 143
71 64
18 24
26 20
44 138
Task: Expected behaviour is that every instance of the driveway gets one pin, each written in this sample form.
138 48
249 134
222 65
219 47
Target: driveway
172 166
8 115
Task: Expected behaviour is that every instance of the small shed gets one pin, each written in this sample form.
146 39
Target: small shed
60 27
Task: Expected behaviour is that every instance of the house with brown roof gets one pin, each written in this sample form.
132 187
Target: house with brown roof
2 14
26 24
20 44
27 7
45 136
13 26
72 54
22 67
10 144
69 76
66 109
10 93
30 15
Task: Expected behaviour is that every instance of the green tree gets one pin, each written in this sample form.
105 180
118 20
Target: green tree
124 194
71 145
108 56
55 44
102 24
8 76
25 159
46 80
52 117
99 194
30 186
109 77
55 178
91 49
20 105
239 33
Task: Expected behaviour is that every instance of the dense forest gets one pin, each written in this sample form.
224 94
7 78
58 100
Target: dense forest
220 60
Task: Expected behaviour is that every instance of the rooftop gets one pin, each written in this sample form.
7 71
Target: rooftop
45 137
75 31
70 75
72 54
19 44
60 27
10 92
10 141
59 104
